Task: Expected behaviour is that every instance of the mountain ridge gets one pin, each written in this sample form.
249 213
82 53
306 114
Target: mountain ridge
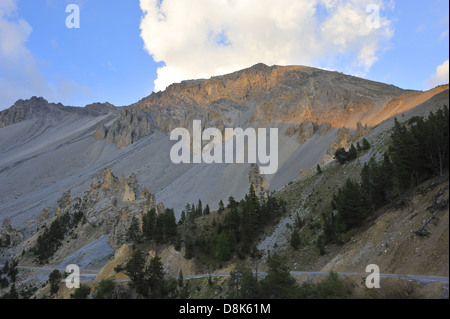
253 96
256 96
74 145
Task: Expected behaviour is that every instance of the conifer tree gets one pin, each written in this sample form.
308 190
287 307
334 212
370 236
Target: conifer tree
319 169
295 239
155 277
223 251
221 207
352 153
278 283
366 144
148 224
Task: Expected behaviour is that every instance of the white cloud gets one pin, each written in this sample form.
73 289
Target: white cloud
20 76
440 77
202 38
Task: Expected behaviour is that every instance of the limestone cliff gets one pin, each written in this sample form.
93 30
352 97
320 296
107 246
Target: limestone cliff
131 126
307 98
111 203
107 208
307 129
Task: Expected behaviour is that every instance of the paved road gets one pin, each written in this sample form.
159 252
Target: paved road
87 275
421 279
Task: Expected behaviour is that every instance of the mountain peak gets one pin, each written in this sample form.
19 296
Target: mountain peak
260 66
23 109
32 103
40 107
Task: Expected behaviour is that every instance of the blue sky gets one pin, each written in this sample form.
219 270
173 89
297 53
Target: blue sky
125 49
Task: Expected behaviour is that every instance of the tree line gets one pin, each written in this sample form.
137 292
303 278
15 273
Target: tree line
234 234
418 150
50 240
343 156
279 284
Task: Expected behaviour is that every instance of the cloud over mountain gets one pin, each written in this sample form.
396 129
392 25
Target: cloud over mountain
199 38
440 77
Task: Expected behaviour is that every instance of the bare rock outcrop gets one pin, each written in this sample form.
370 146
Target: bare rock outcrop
131 126
44 214
63 202
307 129
108 207
258 181
346 137
9 236
100 131
360 131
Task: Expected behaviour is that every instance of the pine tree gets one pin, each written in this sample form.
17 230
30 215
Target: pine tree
295 239
13 270
231 202
278 283
251 220
352 153
81 293
155 276
189 251
148 224
159 235
54 278
135 266
387 178
133 231
207 210
366 144
341 155
351 206
242 284
221 207
199 208
5 269
13 294
223 251
105 289
180 279
170 225
321 244
400 154
319 169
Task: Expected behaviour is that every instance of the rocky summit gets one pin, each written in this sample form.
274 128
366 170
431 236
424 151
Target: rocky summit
293 95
